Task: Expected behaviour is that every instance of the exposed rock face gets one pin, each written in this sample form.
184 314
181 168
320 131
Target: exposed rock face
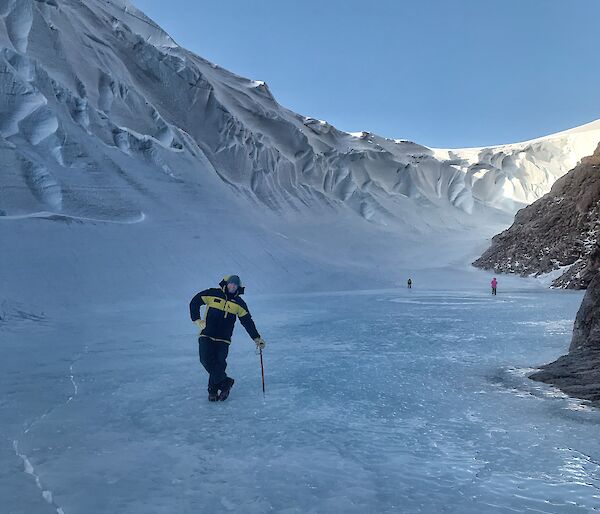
558 230
578 372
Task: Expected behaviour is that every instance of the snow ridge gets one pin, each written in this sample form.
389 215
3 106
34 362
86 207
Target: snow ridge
148 101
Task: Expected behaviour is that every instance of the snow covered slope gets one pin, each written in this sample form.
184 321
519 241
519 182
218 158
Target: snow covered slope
119 150
91 86
510 176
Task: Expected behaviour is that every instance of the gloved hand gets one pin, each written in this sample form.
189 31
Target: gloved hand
201 324
260 343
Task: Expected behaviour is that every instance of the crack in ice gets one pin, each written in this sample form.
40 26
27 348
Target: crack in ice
30 470
28 467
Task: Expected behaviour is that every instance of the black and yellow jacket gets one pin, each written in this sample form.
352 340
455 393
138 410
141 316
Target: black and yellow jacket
222 309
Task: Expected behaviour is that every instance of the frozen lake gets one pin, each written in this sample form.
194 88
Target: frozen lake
403 401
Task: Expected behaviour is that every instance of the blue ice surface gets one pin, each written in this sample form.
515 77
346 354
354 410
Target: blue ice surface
388 401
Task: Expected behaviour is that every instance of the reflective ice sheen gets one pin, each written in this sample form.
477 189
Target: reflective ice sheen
401 401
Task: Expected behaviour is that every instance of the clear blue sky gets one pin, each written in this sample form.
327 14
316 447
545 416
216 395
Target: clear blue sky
445 73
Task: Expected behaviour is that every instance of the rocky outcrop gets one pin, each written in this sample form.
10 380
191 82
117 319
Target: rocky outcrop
557 231
578 372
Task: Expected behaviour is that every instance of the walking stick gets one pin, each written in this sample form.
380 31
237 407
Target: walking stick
262 371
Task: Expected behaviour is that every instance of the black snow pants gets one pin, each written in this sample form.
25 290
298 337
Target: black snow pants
213 356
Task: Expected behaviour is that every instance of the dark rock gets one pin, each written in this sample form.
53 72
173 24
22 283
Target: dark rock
558 230
578 372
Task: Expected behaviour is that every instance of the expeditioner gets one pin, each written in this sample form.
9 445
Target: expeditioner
223 306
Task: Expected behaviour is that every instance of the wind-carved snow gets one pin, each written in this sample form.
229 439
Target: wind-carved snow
509 176
175 113
81 219
106 94
19 99
18 20
43 185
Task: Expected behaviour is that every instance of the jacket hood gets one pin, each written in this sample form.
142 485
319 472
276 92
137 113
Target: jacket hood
223 283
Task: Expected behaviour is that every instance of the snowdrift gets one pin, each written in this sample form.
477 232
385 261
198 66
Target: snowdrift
121 150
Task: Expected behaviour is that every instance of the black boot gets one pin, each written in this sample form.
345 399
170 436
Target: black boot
213 394
225 387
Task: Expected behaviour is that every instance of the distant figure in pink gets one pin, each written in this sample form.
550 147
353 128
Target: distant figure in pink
494 285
